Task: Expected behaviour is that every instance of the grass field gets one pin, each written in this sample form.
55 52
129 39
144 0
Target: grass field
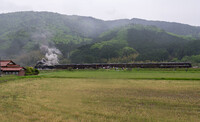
138 95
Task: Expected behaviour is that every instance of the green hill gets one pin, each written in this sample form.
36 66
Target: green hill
23 33
132 43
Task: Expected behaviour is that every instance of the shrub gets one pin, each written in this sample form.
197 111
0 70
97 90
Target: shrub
36 72
31 71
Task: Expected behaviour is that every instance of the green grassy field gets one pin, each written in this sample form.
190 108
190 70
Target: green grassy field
102 95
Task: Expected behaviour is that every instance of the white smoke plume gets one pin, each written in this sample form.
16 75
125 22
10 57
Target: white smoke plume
51 56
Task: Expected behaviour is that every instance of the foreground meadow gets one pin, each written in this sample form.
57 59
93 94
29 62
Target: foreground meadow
101 96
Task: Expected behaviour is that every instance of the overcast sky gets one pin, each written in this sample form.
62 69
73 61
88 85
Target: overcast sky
183 11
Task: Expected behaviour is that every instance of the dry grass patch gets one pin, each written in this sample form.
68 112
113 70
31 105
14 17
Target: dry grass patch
60 99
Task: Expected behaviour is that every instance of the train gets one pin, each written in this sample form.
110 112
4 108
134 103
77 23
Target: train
116 65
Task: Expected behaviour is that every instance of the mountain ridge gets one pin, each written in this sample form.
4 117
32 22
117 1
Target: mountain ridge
108 24
23 33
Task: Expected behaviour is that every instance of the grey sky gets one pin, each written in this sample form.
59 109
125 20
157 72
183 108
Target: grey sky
183 11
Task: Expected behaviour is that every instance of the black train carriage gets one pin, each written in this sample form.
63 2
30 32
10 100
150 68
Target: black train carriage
118 65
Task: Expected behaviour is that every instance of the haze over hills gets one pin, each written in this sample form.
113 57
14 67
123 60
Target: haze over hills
23 33
93 26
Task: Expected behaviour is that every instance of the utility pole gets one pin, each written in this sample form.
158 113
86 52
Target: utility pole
0 66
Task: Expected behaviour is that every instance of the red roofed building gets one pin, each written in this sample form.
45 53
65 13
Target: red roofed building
8 67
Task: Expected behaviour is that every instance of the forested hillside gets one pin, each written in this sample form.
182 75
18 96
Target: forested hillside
136 43
88 40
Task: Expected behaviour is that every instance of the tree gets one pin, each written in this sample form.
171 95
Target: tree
126 51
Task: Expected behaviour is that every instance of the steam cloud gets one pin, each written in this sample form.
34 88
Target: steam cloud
51 56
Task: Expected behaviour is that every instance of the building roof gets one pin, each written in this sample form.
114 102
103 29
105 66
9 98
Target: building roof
12 69
8 65
4 63
11 65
